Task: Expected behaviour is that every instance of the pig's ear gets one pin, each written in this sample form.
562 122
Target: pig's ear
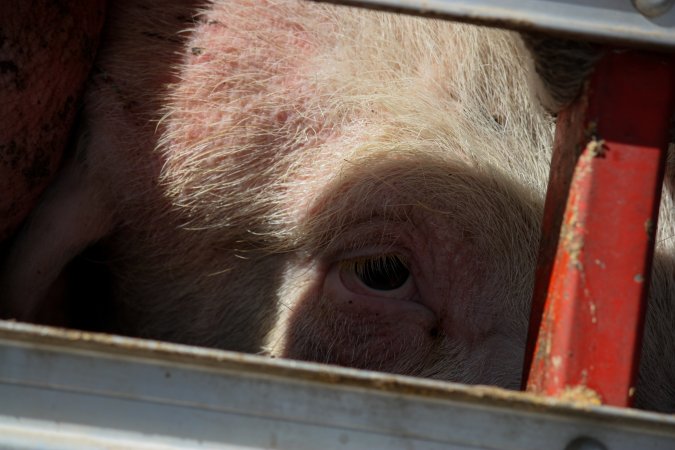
560 68
71 216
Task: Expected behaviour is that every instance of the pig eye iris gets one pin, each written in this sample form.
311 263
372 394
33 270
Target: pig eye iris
382 273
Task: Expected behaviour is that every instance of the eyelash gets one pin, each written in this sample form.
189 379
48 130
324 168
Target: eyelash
360 265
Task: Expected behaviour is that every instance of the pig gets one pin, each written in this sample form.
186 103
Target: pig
310 181
46 51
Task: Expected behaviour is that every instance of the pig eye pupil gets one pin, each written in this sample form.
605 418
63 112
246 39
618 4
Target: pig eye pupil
384 273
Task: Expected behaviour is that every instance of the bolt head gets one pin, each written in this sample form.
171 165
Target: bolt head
653 8
585 443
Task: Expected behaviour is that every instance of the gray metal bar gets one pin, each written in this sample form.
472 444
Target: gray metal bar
613 21
67 389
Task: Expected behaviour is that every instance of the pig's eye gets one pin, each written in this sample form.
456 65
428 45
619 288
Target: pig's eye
379 273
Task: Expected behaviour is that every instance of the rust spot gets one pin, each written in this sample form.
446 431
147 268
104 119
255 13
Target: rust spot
572 241
544 346
597 148
593 308
571 238
580 396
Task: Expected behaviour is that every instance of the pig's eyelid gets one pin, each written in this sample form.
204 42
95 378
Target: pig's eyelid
354 256
366 238
367 246
385 259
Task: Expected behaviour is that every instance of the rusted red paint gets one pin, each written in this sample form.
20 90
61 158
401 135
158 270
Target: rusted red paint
591 326
570 131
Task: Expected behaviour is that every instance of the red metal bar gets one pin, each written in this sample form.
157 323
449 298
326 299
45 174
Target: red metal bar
590 331
570 131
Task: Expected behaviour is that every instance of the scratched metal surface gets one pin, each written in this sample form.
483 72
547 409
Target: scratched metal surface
612 21
63 389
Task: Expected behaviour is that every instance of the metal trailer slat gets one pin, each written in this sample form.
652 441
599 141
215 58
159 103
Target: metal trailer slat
618 22
65 389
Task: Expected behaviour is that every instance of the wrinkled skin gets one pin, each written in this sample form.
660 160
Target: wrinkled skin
313 182
46 51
